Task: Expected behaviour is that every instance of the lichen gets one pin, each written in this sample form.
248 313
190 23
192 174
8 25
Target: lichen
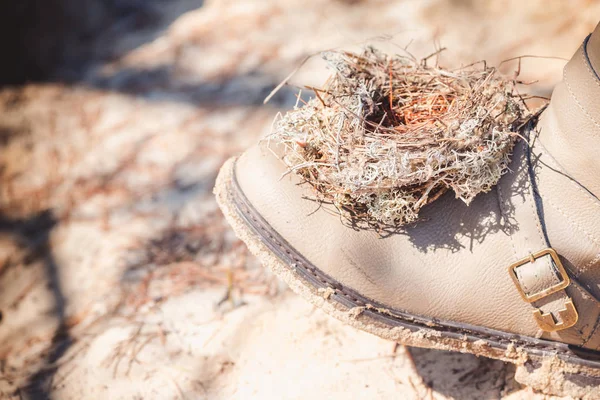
387 135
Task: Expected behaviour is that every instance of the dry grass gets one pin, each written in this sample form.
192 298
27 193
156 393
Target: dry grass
387 135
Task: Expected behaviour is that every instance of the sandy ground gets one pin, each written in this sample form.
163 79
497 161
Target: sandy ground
118 275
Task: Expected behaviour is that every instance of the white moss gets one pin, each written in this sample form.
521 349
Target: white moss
388 135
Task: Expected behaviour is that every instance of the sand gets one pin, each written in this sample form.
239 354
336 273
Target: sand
119 277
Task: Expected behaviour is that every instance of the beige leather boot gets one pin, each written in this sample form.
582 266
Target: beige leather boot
514 276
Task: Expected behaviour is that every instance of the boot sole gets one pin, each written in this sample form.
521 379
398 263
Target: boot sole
550 367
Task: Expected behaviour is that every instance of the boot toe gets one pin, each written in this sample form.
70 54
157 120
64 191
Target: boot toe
445 267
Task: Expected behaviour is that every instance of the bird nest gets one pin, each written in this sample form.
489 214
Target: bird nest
387 135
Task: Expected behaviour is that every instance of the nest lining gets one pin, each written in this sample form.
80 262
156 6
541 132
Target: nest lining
387 135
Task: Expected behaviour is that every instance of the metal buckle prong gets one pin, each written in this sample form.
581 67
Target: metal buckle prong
564 282
546 321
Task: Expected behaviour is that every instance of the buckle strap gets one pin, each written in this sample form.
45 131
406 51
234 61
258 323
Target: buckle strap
527 269
550 277
537 272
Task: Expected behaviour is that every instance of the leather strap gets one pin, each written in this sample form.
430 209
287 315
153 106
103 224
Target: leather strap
537 272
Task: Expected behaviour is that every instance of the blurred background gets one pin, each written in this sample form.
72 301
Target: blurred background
118 275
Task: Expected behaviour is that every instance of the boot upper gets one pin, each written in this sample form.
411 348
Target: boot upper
524 254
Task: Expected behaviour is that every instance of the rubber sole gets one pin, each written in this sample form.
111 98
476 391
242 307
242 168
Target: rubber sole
550 367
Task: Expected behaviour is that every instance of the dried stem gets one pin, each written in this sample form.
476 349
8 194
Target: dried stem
388 135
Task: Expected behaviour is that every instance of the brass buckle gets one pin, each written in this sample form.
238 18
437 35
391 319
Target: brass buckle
568 316
565 280
547 322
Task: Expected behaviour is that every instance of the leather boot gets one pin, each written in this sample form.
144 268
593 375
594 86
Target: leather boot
513 276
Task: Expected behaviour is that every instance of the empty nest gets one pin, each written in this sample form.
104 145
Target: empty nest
387 135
